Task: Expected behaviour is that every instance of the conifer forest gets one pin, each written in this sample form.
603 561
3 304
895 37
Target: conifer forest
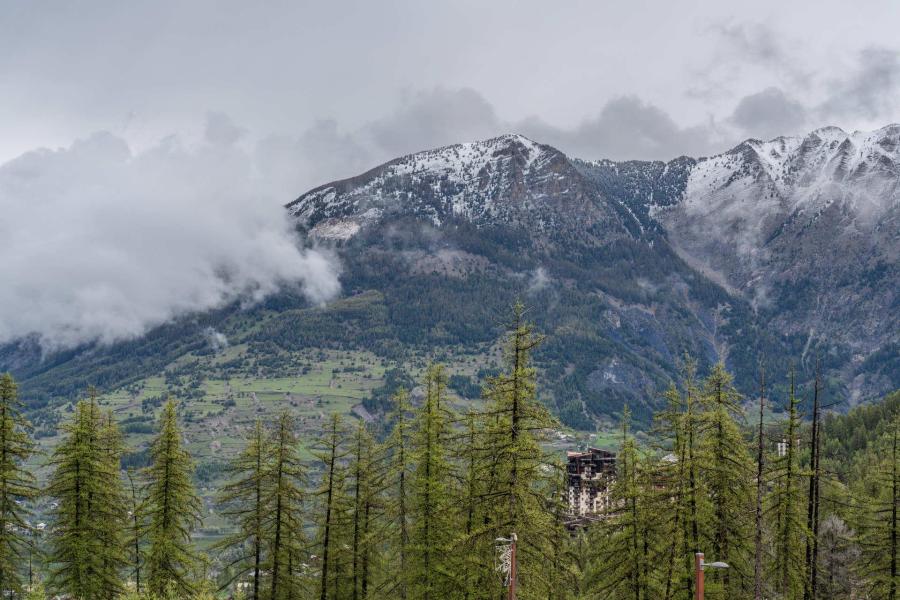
804 506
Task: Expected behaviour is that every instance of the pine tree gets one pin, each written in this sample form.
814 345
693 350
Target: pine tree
432 531
516 423
726 470
812 512
242 501
786 509
879 522
682 485
838 556
137 527
284 501
330 453
173 509
87 487
366 483
760 486
397 485
17 486
622 567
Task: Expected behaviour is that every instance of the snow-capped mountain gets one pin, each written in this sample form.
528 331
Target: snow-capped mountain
804 229
776 252
760 193
508 180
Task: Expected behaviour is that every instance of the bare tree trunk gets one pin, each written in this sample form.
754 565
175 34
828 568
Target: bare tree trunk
811 524
760 465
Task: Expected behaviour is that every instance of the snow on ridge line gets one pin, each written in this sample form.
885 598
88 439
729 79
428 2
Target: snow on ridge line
859 170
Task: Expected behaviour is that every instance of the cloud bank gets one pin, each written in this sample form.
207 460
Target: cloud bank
102 239
100 243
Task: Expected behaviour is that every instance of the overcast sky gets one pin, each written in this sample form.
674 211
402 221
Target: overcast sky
288 95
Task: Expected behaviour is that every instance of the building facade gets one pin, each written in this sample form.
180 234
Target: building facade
590 477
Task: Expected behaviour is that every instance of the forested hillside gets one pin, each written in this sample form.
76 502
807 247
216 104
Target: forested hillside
417 506
767 254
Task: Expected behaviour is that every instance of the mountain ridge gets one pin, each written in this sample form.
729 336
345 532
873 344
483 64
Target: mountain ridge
628 266
757 219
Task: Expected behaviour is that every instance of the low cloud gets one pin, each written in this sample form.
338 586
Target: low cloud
770 113
434 118
627 128
100 243
869 89
539 280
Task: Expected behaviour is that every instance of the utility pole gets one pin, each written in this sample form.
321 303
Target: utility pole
698 576
512 567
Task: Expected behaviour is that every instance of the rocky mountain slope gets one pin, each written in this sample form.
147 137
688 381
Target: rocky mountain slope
772 253
804 230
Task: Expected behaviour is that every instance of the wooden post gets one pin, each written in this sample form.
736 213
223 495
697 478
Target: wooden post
512 567
698 574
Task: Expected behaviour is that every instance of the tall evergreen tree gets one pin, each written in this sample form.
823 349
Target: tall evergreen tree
879 522
243 502
433 528
284 501
516 424
397 486
17 486
173 509
726 469
136 533
760 487
682 484
786 508
469 554
87 488
330 493
812 508
366 475
621 570
113 528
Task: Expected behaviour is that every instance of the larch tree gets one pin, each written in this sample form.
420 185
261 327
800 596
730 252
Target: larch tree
89 502
518 478
681 485
366 484
786 508
628 552
330 452
726 469
760 491
114 527
242 501
173 509
471 555
284 496
812 504
397 486
432 529
137 526
17 486
878 521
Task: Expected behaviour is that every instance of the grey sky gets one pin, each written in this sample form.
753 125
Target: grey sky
172 131
145 70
